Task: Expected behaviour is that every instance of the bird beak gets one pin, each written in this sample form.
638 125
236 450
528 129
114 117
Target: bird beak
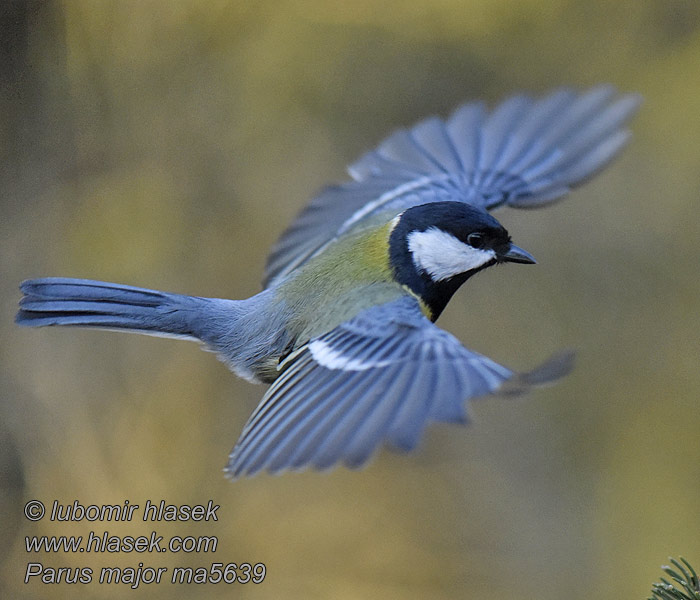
518 255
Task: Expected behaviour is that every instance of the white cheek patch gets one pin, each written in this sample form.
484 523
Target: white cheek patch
441 255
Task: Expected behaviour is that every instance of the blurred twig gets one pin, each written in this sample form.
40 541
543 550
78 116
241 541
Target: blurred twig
686 582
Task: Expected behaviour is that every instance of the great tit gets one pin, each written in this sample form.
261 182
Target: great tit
344 327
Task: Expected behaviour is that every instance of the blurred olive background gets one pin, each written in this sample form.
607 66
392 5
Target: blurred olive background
167 144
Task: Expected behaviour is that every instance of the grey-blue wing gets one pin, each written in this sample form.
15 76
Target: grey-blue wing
524 153
380 377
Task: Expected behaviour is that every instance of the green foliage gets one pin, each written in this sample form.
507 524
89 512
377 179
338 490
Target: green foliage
686 580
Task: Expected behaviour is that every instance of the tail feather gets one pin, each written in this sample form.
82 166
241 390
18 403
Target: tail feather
84 303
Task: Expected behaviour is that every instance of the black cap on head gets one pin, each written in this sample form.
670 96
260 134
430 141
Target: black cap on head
434 248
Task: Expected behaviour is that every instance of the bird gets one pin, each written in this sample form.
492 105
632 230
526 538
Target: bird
344 329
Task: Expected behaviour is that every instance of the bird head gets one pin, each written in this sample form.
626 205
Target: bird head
434 248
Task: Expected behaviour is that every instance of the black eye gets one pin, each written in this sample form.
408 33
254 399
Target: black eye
476 240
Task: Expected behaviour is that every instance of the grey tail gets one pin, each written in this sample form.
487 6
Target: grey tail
85 303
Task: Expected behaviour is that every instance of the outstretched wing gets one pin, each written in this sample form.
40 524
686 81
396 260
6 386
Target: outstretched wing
524 153
380 377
